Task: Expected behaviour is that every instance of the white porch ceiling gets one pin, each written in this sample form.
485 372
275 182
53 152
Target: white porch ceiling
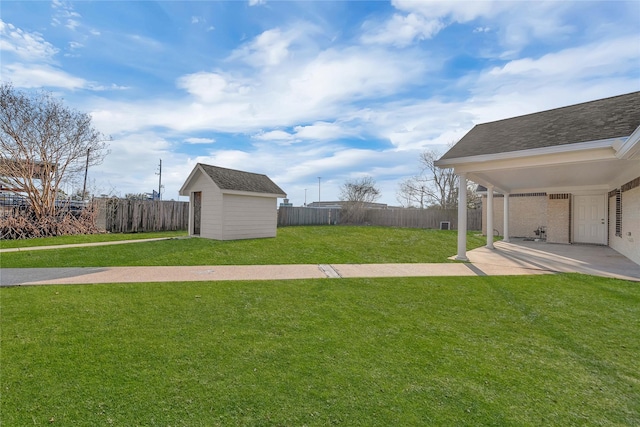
602 175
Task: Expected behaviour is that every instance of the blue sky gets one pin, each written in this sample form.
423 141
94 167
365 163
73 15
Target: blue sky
301 90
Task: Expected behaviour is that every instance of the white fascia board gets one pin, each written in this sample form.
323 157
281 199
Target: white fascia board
630 148
567 157
535 152
183 189
253 194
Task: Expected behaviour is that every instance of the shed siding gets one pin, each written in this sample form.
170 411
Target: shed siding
629 243
211 211
249 217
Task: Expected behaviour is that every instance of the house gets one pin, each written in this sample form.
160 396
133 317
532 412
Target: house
573 172
227 204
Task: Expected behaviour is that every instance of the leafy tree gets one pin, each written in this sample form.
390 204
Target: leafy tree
357 194
433 186
42 144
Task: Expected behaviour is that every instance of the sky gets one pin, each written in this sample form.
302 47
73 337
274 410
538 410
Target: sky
300 90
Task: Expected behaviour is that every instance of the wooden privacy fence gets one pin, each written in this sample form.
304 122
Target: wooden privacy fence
409 218
289 215
130 216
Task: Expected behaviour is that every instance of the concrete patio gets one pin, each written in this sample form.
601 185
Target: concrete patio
532 255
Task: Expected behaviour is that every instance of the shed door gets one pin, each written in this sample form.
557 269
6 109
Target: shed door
197 209
590 225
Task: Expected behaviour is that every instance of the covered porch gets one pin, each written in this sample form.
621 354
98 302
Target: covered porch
577 183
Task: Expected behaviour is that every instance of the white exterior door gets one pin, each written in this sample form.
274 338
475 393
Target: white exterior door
590 222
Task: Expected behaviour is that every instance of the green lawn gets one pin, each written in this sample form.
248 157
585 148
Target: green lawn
528 351
86 238
293 245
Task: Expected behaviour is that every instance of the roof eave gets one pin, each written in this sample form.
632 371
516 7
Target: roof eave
253 193
183 189
630 148
522 154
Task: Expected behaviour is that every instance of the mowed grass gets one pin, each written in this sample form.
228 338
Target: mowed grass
293 245
528 351
87 238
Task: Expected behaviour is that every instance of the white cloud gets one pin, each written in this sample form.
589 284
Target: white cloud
402 30
138 155
268 49
515 22
212 88
275 135
28 46
100 88
199 140
257 2
595 58
352 74
145 42
64 12
321 131
455 11
301 91
34 76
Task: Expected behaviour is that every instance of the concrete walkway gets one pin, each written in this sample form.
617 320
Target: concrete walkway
79 245
518 258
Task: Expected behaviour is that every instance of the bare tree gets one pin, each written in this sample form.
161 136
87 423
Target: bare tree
357 194
433 186
43 143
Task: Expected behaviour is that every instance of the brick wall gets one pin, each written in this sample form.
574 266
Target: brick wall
628 244
526 214
559 218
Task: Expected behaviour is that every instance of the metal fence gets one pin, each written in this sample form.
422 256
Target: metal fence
12 204
130 216
409 218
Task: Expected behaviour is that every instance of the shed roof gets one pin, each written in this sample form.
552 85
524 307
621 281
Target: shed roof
607 118
231 179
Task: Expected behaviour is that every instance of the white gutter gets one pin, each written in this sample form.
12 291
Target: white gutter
556 149
630 148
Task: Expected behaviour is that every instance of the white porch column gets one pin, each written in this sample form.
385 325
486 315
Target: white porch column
462 218
506 218
490 216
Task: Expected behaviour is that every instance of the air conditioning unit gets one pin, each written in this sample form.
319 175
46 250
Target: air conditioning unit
445 225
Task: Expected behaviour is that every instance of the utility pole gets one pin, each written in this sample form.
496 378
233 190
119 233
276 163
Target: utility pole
305 197
160 181
86 169
319 188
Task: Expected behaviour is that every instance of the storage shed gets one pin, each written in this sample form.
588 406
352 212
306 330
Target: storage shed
228 204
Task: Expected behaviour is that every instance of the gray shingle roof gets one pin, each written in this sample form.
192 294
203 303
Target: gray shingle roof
606 118
230 179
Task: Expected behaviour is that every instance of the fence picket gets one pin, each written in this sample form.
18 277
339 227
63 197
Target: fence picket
127 216
408 218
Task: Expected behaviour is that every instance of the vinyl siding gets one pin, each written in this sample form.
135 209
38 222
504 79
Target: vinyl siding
249 217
